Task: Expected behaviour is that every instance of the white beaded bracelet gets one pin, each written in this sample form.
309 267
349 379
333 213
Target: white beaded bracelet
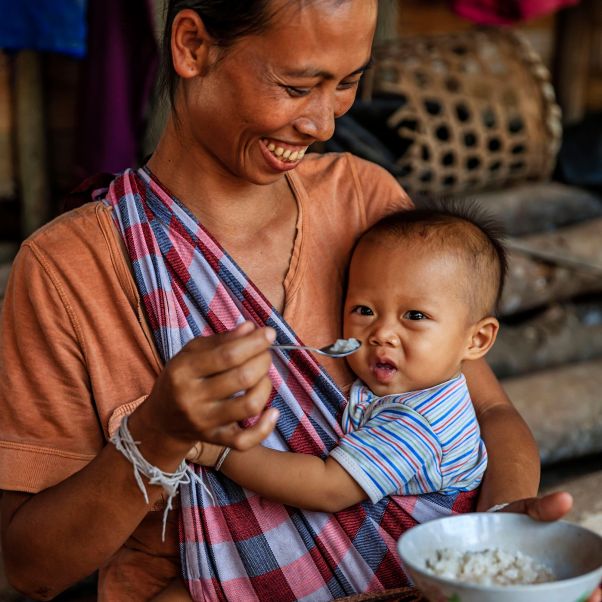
497 507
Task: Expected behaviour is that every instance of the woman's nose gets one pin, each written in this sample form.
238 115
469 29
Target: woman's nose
317 120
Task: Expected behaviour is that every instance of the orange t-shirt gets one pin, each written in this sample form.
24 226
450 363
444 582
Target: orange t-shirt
77 353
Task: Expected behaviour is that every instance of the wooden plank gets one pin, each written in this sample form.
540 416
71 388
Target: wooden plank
594 94
536 207
573 61
7 160
559 335
31 141
61 74
532 283
563 408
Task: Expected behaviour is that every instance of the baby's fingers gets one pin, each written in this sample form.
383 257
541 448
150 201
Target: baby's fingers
205 454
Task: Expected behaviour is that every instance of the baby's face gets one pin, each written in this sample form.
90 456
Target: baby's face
408 307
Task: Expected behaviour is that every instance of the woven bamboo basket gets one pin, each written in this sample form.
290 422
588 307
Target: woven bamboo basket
476 110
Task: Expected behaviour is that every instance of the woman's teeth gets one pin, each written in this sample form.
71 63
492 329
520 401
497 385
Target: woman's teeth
286 154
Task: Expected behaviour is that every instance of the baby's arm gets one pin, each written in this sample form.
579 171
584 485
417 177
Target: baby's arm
299 480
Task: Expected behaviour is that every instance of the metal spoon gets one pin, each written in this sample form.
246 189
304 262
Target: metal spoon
340 348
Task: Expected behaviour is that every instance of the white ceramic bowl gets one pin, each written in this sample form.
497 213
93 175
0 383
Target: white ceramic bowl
573 553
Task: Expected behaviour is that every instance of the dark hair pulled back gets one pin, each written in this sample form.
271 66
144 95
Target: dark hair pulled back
225 21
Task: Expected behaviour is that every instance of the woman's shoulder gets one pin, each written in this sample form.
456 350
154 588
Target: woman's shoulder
341 176
69 232
76 246
317 166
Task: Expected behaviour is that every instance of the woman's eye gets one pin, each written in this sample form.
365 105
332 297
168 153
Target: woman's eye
296 92
362 310
414 314
348 85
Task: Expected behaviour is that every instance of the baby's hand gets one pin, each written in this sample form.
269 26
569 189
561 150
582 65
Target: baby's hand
205 454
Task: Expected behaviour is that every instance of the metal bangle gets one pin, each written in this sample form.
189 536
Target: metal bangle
222 458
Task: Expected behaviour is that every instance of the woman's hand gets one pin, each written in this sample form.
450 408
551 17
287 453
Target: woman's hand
548 508
552 506
192 400
203 393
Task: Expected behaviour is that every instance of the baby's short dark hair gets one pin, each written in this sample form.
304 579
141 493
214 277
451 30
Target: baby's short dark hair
464 229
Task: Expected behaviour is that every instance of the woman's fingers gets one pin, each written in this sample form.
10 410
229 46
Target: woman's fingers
596 596
206 390
207 356
209 415
239 378
196 392
222 418
546 508
242 439
224 411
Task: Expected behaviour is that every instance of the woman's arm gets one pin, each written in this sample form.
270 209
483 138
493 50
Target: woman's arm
57 537
513 468
299 480
54 538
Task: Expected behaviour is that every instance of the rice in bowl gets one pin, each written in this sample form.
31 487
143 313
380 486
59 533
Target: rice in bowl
491 566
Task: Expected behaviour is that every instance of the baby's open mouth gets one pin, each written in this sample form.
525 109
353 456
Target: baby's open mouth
384 370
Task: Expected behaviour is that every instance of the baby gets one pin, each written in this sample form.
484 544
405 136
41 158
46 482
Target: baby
422 290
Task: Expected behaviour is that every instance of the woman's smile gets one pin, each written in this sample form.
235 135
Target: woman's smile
281 156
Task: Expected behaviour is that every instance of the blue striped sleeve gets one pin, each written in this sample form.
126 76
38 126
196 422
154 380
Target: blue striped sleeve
396 446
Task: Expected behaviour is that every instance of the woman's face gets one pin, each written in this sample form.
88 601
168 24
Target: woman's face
257 109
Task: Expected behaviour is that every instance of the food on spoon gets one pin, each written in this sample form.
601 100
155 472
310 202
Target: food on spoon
345 345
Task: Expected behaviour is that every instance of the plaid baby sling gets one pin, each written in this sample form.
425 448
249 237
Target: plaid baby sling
234 544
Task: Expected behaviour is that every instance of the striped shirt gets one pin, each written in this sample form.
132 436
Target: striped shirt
412 443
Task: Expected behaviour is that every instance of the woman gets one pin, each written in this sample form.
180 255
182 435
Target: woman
254 85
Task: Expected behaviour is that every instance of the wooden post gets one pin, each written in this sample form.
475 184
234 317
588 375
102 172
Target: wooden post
7 181
573 52
31 142
388 17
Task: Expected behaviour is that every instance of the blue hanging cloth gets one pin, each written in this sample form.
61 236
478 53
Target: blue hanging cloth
57 26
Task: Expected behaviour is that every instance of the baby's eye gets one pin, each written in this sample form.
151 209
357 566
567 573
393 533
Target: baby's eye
414 314
362 310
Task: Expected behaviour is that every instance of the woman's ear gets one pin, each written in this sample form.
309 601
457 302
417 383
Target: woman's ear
190 44
482 338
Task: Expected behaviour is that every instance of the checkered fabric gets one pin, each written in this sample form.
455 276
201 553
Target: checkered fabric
234 544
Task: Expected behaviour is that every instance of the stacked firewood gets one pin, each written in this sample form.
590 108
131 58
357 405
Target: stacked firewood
549 350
